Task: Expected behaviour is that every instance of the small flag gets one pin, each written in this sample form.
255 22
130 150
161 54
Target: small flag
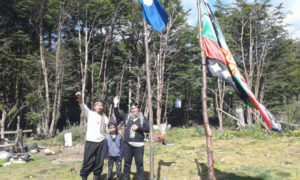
220 64
155 14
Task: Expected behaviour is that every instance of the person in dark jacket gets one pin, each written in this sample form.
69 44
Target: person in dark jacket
113 150
135 125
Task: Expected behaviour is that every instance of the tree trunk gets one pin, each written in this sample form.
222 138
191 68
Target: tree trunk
160 84
104 85
82 119
92 79
45 73
138 88
130 85
2 124
219 98
58 74
149 100
160 68
165 119
241 120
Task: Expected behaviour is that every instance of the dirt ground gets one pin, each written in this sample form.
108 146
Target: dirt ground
64 155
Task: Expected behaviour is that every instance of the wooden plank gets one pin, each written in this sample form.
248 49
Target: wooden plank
15 132
6 145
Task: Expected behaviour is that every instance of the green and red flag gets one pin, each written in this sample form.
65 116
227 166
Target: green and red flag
221 64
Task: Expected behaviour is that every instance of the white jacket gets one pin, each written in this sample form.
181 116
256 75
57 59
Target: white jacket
93 124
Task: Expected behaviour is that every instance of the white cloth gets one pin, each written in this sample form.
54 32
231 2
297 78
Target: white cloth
136 144
93 124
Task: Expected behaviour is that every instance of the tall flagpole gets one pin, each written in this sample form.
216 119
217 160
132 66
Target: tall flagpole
209 145
149 98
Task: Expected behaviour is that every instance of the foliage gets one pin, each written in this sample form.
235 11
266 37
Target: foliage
77 135
292 133
254 132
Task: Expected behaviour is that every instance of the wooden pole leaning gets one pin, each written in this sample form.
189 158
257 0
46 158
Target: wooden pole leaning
209 145
149 101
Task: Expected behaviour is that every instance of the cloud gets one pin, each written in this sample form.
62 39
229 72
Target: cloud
290 6
293 17
192 6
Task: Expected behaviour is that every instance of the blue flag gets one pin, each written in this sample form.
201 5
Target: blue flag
155 14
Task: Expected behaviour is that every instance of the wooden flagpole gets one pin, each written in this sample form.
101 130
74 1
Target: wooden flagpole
209 145
149 101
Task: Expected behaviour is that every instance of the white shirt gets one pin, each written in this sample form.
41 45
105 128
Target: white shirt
136 144
93 124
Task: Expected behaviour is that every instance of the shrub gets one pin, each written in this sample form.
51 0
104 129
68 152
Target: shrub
77 136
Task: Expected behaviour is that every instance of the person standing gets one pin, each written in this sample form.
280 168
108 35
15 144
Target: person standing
97 121
135 125
113 152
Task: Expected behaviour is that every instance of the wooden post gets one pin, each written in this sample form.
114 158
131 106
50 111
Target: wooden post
3 123
209 145
149 101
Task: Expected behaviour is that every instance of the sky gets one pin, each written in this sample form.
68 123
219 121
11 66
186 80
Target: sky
290 6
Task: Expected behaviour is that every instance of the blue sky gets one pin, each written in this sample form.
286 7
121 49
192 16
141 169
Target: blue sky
290 6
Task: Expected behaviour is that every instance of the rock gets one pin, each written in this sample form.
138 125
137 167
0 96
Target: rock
33 146
4 155
34 151
6 164
18 161
49 152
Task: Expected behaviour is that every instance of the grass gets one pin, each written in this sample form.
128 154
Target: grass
248 154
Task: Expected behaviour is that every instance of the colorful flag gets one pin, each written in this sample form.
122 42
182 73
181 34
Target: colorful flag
155 14
220 64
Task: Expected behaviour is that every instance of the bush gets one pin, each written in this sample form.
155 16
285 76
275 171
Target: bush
292 133
77 136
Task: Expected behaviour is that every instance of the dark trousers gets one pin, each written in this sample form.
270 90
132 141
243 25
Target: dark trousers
138 154
111 162
93 159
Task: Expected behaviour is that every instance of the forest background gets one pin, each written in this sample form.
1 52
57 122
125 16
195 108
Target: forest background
50 49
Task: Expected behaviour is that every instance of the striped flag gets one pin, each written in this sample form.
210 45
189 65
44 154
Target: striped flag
220 64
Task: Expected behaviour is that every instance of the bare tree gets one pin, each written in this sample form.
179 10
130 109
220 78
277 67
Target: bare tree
219 98
58 71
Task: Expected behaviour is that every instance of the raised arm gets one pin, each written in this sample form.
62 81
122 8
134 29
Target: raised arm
118 115
83 107
79 97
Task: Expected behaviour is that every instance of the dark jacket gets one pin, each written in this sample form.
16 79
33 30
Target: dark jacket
129 135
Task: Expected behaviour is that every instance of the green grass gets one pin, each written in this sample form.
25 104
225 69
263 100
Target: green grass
251 153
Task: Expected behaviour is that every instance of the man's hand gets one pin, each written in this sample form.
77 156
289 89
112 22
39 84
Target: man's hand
134 127
79 97
106 160
78 94
116 101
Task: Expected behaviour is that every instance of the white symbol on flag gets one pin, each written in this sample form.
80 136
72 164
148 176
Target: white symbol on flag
148 2
226 74
216 67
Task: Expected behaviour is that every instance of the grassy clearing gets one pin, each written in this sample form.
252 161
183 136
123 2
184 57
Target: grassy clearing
248 154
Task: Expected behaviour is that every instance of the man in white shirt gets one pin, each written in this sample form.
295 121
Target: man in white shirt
97 123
